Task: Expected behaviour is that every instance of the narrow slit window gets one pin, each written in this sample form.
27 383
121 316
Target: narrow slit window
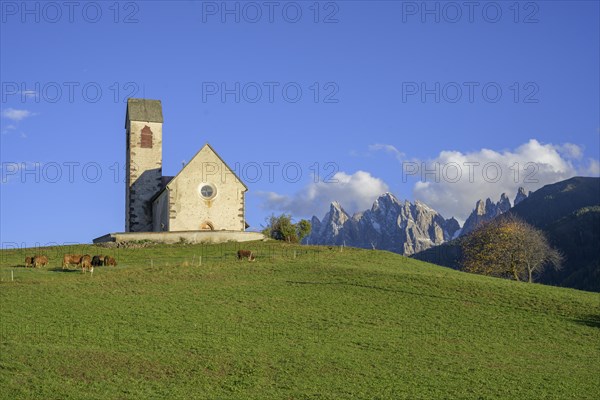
146 137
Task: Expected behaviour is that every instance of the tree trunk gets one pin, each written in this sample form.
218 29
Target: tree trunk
514 271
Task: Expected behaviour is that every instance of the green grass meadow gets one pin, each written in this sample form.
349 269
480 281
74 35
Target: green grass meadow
301 322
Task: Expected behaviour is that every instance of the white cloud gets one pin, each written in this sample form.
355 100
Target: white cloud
374 148
356 192
388 148
571 150
593 167
531 165
16 115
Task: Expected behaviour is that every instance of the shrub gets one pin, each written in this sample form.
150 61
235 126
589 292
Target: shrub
282 228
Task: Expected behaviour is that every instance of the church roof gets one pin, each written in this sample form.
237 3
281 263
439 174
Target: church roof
144 110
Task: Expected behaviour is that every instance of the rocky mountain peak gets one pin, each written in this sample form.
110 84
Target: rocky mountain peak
453 227
337 213
336 207
480 206
521 195
330 225
485 212
504 204
385 201
420 204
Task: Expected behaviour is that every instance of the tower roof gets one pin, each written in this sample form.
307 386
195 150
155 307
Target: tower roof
143 110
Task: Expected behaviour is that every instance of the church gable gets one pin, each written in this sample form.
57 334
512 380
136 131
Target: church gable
206 195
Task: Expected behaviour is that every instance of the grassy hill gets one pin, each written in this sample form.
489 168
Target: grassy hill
299 323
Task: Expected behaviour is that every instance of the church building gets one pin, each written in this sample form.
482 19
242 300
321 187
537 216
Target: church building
205 195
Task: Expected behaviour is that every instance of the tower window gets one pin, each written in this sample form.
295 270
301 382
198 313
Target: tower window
147 137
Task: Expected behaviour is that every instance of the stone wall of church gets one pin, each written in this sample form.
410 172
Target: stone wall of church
189 210
160 212
144 172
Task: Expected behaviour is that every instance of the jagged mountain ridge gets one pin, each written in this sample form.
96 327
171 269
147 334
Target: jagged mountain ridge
403 228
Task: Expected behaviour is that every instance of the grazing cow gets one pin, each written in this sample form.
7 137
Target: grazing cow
29 262
97 261
245 254
69 259
86 264
110 261
40 261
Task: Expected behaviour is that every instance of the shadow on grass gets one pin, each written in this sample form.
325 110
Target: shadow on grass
58 269
419 294
589 320
370 287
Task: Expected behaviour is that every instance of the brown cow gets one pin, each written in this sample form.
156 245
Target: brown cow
110 261
29 262
40 261
86 264
245 254
69 259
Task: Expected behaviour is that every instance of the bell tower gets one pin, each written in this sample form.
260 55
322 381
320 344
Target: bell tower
143 175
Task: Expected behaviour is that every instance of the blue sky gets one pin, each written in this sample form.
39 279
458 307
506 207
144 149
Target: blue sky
384 85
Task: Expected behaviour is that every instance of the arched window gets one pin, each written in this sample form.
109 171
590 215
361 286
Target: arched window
147 137
207 226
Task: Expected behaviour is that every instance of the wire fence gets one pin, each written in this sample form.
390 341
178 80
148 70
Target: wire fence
149 254
219 254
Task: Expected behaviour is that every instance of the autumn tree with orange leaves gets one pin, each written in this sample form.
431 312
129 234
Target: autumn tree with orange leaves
508 247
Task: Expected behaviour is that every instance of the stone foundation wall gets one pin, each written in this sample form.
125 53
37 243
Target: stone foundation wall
189 236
